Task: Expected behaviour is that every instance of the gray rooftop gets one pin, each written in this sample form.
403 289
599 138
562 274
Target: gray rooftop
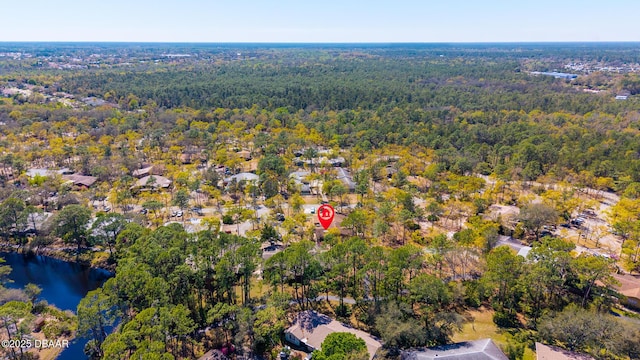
483 349
345 177
243 177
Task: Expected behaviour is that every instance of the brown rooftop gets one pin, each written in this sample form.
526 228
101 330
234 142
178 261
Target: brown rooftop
629 285
81 180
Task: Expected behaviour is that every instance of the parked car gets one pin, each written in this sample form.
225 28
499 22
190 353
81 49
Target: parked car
578 221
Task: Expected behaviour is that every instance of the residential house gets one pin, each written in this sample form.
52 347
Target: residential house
80 181
484 349
524 251
214 355
7 172
555 74
545 352
187 158
623 95
345 177
245 154
299 177
630 288
335 162
147 170
244 176
152 182
93 101
305 189
311 328
47 172
338 218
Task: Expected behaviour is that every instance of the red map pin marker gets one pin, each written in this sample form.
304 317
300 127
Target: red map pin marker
325 215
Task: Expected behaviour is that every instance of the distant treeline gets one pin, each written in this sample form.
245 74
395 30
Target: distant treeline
336 83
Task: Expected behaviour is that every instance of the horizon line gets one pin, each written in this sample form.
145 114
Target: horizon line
321 42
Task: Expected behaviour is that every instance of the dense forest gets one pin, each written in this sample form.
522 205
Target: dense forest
439 140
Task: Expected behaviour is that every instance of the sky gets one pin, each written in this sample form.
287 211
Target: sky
320 21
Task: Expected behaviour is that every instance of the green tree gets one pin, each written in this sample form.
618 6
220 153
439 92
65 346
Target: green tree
310 154
433 298
273 165
32 291
269 234
336 268
153 206
13 218
397 329
181 199
547 275
224 315
96 313
578 329
269 326
247 260
276 270
503 271
591 269
303 268
342 345
107 227
71 225
5 270
536 215
356 221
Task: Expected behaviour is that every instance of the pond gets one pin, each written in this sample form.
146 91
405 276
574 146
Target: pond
63 284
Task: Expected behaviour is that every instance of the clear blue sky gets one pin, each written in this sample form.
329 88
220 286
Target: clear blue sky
320 21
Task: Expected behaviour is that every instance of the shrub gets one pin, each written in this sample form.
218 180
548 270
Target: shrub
227 219
505 319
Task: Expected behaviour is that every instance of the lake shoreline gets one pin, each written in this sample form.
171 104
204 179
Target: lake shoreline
64 284
58 254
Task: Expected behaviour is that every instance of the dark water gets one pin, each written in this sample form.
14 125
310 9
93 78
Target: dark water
63 285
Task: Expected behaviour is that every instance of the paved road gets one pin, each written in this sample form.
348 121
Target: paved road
509 241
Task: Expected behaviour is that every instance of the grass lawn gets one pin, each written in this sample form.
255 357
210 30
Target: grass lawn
482 327
311 199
